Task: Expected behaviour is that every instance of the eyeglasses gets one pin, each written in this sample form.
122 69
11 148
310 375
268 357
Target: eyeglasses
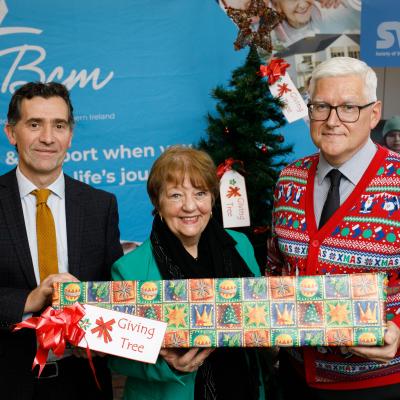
345 112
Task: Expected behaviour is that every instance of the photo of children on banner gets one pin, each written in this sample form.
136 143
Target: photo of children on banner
305 18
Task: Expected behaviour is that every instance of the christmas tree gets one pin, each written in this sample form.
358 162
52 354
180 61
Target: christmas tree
247 130
229 316
311 314
150 313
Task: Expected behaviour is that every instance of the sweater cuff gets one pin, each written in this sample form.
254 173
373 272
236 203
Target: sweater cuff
396 320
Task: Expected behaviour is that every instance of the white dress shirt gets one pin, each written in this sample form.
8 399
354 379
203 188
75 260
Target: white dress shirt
352 171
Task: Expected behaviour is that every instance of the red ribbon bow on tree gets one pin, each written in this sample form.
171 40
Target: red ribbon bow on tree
54 328
274 70
227 166
104 329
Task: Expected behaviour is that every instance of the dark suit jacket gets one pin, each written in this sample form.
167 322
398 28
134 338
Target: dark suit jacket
93 246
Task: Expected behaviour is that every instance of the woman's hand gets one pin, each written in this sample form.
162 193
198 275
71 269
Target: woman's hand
185 360
383 353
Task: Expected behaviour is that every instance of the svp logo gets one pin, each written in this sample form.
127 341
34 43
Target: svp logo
29 58
389 35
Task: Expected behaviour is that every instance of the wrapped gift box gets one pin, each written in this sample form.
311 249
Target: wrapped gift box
329 310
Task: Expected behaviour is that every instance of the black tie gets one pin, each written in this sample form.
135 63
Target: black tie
332 202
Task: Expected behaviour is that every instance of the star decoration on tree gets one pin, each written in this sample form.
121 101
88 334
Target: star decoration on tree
261 37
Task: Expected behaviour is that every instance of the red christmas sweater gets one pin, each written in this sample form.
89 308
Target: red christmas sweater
362 236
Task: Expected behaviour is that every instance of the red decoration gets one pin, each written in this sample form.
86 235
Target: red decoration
104 329
264 148
54 328
227 166
233 191
274 70
283 88
258 230
226 130
280 138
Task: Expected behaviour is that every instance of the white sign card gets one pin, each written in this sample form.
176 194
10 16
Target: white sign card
234 204
123 335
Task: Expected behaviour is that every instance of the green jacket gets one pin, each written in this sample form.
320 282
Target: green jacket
159 381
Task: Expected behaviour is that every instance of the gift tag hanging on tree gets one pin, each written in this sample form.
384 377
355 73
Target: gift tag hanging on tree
234 204
282 87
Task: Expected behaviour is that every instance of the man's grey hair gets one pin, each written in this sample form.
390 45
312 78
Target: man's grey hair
344 66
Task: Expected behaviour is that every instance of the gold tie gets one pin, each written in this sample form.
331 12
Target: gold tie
46 235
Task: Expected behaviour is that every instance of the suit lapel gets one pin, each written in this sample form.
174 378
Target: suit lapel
10 202
74 218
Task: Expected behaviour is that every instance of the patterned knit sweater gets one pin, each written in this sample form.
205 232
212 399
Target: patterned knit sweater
362 236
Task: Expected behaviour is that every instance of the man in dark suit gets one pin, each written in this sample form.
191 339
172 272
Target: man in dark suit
40 125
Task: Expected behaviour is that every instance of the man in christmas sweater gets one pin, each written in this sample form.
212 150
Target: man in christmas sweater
360 234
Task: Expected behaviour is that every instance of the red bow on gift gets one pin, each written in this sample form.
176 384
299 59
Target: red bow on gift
227 166
104 329
274 70
54 328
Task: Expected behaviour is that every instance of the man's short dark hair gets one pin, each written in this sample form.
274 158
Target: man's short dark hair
38 89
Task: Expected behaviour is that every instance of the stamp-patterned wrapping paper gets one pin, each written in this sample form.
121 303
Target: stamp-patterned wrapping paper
328 310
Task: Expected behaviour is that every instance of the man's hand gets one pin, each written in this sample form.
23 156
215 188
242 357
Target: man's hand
383 353
41 296
187 361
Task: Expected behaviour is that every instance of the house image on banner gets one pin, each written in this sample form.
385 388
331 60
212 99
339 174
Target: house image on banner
304 55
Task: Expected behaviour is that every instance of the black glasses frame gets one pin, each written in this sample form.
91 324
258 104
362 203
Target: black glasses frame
310 105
